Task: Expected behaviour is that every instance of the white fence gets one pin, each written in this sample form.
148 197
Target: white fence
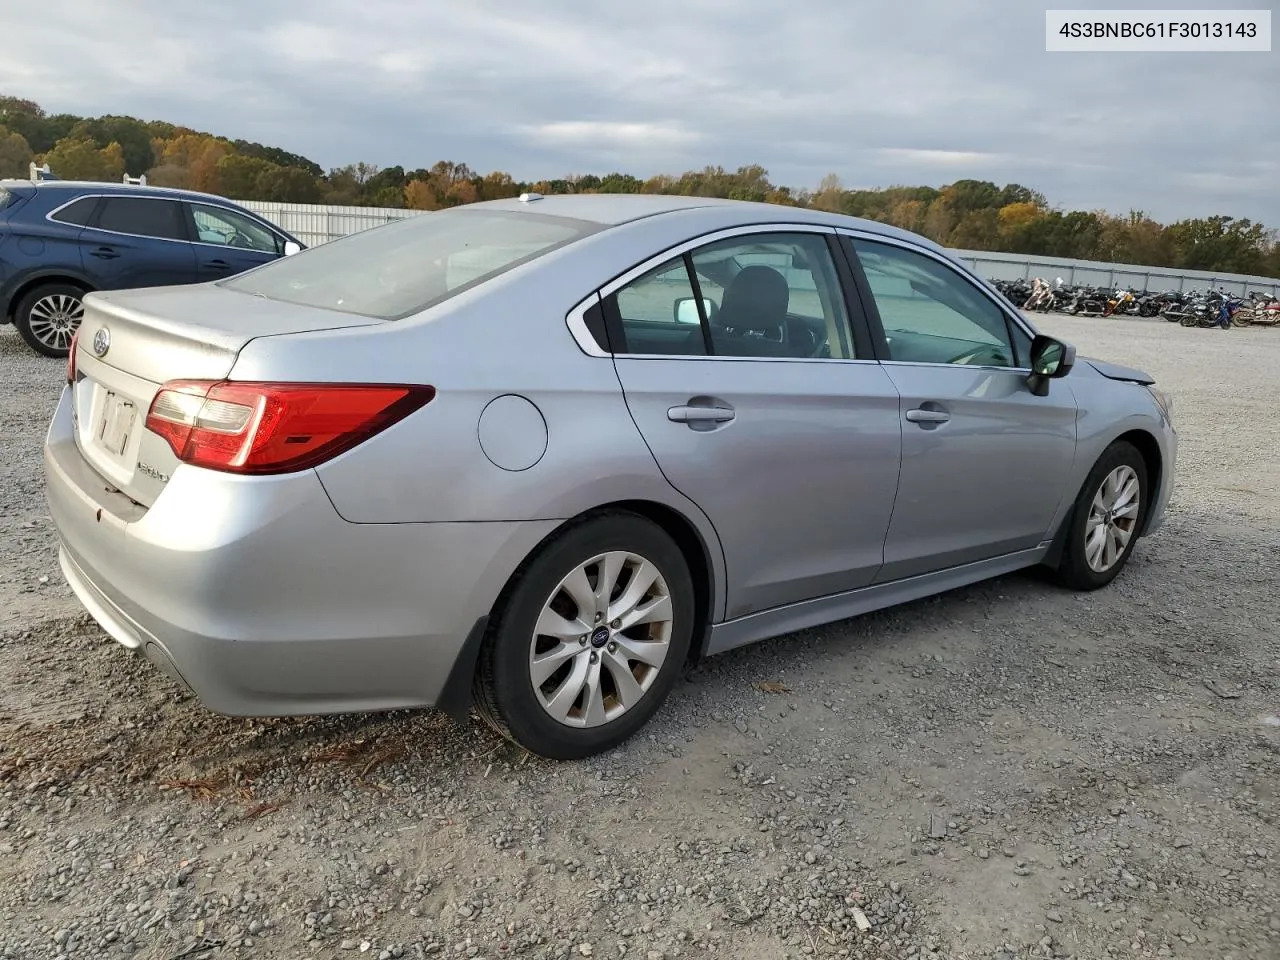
1126 276
317 223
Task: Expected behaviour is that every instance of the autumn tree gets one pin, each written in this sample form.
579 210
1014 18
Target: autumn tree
133 136
15 154
239 175
829 193
497 185
418 195
619 183
1219 243
79 158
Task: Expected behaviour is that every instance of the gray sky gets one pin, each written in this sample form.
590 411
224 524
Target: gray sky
911 92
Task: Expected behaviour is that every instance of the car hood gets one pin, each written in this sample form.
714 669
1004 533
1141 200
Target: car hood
1114 371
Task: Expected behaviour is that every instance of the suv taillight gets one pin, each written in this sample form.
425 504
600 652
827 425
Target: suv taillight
261 428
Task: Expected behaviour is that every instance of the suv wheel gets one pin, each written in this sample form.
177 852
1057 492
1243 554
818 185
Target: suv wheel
48 317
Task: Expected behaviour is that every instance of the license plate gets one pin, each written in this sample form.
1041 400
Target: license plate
117 423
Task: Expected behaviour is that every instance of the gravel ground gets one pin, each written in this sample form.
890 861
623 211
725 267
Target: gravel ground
1006 771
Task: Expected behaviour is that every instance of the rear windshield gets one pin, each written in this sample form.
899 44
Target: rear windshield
402 268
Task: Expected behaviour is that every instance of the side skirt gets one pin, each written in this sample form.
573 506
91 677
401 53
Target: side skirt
841 606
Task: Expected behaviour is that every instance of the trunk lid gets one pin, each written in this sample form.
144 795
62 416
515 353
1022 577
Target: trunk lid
132 341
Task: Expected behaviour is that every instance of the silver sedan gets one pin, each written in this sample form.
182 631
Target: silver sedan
534 456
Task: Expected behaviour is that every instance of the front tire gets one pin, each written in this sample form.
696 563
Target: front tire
589 640
48 316
1109 513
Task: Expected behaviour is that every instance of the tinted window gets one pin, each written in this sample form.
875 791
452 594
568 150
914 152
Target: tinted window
142 217
78 212
764 295
231 229
930 312
402 268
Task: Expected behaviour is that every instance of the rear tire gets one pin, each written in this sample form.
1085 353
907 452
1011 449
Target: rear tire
1108 515
48 316
566 679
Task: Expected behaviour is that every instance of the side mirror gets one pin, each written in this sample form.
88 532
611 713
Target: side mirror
1050 359
685 310
291 247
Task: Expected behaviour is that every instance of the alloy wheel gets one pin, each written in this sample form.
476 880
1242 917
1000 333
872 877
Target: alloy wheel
601 639
54 319
1113 518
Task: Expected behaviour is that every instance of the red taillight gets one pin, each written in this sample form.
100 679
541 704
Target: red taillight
243 427
71 358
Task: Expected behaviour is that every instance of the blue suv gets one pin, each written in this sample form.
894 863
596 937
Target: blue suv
60 239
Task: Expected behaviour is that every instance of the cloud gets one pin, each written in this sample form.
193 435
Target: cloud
585 132
920 92
944 159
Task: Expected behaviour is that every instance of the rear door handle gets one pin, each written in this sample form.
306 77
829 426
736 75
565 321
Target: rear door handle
928 416
700 414
104 253
218 264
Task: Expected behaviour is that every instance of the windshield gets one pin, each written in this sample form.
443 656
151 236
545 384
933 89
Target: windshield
400 269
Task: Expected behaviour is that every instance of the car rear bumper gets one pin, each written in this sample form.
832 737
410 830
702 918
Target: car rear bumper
255 595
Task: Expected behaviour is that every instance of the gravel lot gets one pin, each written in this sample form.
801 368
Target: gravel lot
1006 771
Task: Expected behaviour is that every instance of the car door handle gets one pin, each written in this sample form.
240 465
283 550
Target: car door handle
700 414
218 264
104 253
928 416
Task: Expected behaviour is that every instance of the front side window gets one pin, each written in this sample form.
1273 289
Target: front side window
402 268
231 229
930 312
763 295
142 217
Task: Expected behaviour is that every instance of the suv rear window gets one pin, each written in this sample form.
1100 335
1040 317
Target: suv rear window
77 212
402 268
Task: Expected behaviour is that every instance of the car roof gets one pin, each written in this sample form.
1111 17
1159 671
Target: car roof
96 186
614 209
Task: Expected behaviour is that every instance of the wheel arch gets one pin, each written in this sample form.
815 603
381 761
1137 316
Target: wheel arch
456 697
693 546
29 283
1149 447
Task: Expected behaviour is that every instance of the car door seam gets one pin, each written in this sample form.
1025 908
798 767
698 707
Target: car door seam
716 615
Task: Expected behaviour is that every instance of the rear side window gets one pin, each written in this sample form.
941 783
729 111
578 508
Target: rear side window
77 212
5 197
142 217
400 269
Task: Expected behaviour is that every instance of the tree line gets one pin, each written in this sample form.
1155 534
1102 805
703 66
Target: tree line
967 214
